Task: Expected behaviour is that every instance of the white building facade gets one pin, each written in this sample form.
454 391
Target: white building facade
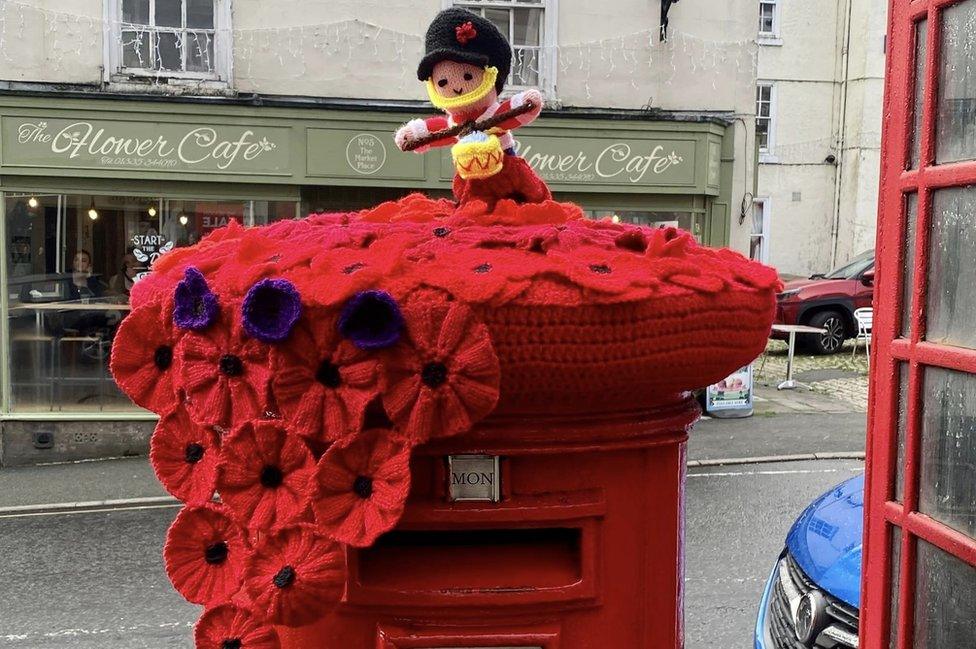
818 101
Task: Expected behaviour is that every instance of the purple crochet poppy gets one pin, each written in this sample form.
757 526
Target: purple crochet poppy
371 320
195 306
270 310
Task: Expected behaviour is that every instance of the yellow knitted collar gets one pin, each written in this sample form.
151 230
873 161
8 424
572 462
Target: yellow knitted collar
468 98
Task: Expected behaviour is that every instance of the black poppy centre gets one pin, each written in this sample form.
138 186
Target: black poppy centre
271 476
285 577
328 374
163 357
363 486
231 365
232 643
434 374
193 453
215 553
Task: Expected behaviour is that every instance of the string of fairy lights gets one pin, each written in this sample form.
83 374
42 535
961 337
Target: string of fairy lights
319 52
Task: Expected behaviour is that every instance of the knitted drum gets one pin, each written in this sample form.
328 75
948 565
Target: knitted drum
327 378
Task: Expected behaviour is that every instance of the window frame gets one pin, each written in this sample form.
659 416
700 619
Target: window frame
114 70
766 153
764 205
547 46
771 37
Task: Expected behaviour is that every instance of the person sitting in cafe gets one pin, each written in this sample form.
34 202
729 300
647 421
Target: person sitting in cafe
84 284
122 282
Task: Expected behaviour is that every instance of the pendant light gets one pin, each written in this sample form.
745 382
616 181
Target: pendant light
32 202
92 212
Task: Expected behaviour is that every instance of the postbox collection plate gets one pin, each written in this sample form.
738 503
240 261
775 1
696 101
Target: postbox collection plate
474 478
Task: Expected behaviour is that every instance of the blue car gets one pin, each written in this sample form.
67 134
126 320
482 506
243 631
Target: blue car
813 596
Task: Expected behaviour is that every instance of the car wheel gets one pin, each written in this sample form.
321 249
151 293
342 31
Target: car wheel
831 341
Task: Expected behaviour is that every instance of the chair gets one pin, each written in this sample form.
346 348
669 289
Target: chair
865 320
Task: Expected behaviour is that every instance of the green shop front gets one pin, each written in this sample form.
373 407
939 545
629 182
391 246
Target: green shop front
93 191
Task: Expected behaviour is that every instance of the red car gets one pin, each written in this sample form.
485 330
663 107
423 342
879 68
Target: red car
828 302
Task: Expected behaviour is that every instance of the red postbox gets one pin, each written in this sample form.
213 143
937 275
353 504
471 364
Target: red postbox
581 549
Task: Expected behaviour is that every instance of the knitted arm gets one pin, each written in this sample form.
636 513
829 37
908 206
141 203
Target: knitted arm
517 101
418 128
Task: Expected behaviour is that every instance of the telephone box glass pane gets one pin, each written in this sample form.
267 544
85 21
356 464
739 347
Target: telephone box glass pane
955 136
895 586
908 278
952 273
902 431
921 34
945 600
947 491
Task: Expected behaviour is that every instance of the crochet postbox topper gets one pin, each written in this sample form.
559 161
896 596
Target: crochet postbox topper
464 68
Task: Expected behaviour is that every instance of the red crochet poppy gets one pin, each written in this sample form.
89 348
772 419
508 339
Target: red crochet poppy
341 272
414 207
224 373
321 382
264 474
204 554
142 357
184 457
600 269
446 376
232 627
480 274
295 576
361 487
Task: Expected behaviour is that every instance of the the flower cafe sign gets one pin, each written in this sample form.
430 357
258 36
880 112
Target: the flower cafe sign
162 146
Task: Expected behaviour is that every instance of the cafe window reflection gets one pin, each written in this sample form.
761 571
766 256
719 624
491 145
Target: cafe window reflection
72 261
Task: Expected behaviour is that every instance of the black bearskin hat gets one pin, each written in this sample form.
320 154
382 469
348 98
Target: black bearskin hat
481 44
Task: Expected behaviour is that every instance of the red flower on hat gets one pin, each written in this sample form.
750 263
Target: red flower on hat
264 474
224 373
232 627
603 269
142 357
340 272
465 33
446 376
204 555
321 382
295 576
361 486
184 456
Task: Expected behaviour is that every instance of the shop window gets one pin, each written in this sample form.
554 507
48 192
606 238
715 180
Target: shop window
657 219
530 27
72 261
765 117
171 39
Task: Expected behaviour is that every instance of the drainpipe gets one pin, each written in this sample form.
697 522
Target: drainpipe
838 171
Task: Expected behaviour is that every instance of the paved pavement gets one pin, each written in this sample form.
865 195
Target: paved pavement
840 377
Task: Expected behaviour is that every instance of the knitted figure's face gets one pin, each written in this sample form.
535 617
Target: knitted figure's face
453 79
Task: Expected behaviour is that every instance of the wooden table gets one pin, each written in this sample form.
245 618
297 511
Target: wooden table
793 330
71 305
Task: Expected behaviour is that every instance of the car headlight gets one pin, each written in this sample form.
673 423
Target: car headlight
786 295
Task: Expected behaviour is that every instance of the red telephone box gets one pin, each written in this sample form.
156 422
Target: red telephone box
919 579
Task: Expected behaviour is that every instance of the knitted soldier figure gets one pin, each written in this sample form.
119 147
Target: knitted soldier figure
464 68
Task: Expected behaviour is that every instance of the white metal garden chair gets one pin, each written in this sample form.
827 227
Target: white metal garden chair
865 320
